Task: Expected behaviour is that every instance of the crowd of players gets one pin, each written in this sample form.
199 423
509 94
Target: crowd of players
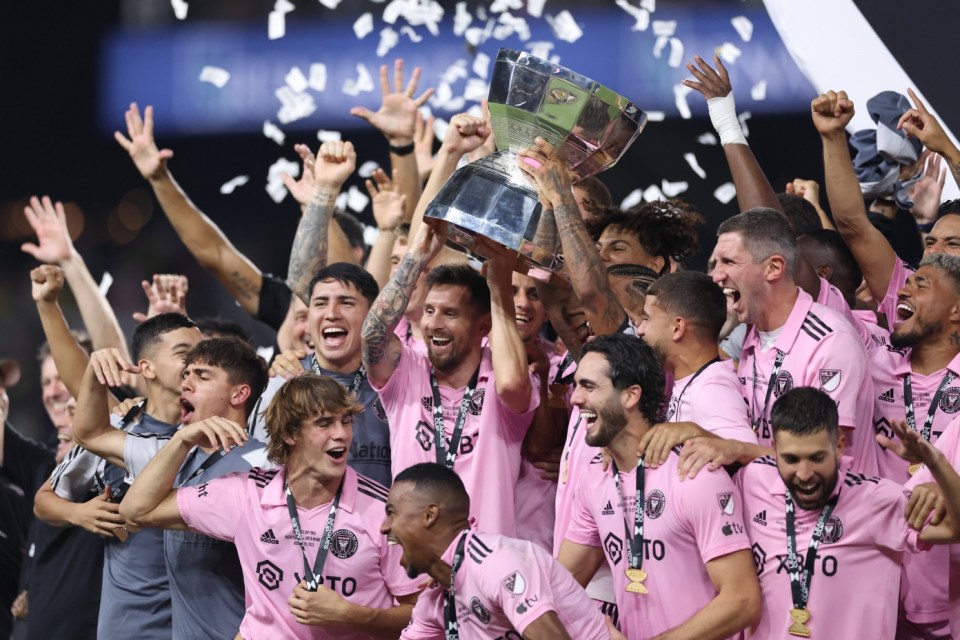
439 450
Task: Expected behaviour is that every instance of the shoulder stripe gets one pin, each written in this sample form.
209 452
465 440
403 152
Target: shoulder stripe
765 460
376 496
262 477
474 557
857 479
481 544
810 333
816 320
597 459
373 486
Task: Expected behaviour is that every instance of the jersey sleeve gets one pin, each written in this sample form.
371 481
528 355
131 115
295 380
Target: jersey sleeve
215 508
888 501
139 450
72 479
398 388
426 621
274 301
530 596
840 363
517 424
582 527
726 414
711 508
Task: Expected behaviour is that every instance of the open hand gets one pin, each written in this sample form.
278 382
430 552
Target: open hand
397 116
49 221
151 161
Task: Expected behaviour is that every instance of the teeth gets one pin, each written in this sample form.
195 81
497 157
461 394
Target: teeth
334 331
441 341
521 318
62 437
727 291
391 542
588 415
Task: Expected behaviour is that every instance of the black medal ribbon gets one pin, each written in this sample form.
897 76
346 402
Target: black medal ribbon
211 460
800 581
358 377
931 411
756 418
676 416
452 629
563 366
313 576
635 540
444 456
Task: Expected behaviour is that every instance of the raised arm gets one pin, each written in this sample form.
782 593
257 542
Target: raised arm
49 222
166 293
809 190
922 124
388 213
397 121
831 114
91 423
152 501
510 367
335 162
381 347
583 265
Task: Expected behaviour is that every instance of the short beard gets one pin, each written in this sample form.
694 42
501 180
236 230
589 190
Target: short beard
612 421
829 485
915 337
445 363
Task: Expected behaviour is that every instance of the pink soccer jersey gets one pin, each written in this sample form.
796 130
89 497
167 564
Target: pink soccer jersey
898 279
821 350
889 367
535 501
488 461
405 332
931 579
502 586
831 297
712 400
250 509
856 579
686 525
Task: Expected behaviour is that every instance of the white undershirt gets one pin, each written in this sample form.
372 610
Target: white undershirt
768 338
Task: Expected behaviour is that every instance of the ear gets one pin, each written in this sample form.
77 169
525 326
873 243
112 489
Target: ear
290 440
955 318
146 369
485 323
679 329
430 515
631 397
841 442
776 268
825 271
657 263
239 395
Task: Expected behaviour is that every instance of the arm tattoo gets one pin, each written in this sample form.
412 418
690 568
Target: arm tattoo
244 287
388 308
546 233
955 170
309 252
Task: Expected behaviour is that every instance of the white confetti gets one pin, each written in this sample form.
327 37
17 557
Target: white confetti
656 116
370 235
296 80
363 26
417 13
673 189
324 135
707 138
649 5
283 6
367 168
230 186
407 30
455 72
729 52
725 192
652 194
461 19
215 75
535 7
318 76
676 53
277 191
440 127
273 132
664 27
641 16
356 199
509 25
540 49
276 28
364 82
759 91
635 198
499 6
388 40
680 92
275 188
565 27
743 117
658 46
341 203
330 4
476 90
743 26
692 161
481 64
179 9
476 111
475 36
294 106
105 282
276 25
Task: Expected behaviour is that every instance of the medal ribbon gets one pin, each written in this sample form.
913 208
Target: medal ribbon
800 582
676 416
444 456
452 629
313 577
931 411
211 460
755 419
358 377
635 540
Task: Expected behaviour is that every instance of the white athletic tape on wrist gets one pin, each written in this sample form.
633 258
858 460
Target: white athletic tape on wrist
723 115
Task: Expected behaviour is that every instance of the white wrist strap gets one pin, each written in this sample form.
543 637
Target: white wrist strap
723 115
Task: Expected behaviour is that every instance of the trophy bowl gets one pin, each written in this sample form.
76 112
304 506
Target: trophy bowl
490 206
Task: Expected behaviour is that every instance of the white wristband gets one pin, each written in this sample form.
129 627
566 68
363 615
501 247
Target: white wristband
723 115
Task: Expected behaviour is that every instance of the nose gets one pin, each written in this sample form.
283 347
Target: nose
385 525
718 274
520 300
576 398
604 252
804 472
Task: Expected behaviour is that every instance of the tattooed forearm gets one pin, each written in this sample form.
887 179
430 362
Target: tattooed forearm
309 252
388 308
546 234
243 287
955 170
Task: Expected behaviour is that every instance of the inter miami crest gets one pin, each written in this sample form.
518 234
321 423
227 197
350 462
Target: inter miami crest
343 544
476 402
479 610
950 402
378 410
832 530
656 503
783 383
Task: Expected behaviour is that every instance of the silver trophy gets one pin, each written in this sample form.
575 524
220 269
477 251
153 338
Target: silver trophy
490 205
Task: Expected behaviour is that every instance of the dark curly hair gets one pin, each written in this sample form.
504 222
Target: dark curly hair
663 228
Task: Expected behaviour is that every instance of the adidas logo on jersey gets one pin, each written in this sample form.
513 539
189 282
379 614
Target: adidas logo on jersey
607 510
761 518
269 538
887 396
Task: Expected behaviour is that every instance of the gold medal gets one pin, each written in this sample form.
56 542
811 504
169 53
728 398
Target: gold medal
800 618
636 578
912 469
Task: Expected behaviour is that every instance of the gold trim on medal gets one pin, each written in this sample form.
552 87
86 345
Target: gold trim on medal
800 618
636 578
